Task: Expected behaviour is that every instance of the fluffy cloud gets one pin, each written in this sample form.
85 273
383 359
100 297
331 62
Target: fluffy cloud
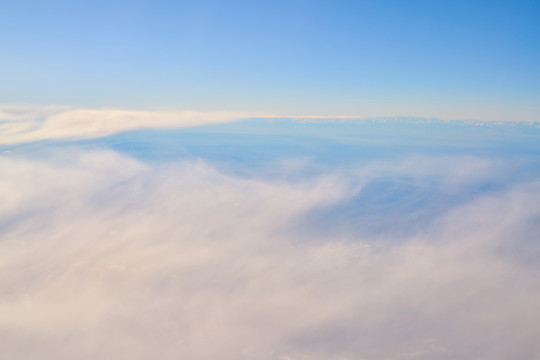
105 257
21 123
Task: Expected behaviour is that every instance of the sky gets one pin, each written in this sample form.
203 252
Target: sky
300 180
448 59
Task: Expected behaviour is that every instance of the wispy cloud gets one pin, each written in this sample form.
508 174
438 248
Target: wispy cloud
25 123
105 257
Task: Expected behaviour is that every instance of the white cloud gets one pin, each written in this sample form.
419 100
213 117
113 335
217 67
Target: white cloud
105 257
22 123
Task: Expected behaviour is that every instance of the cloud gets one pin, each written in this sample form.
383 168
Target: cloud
102 256
22 123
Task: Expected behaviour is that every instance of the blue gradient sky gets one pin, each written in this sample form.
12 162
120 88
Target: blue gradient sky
450 59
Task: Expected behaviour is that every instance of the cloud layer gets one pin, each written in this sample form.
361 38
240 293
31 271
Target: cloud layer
102 256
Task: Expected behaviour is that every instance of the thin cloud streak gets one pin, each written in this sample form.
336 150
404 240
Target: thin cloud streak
20 124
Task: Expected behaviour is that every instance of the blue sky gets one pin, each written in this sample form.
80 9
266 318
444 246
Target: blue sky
451 59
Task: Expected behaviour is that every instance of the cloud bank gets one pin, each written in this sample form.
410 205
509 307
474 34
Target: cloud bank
102 256
24 123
